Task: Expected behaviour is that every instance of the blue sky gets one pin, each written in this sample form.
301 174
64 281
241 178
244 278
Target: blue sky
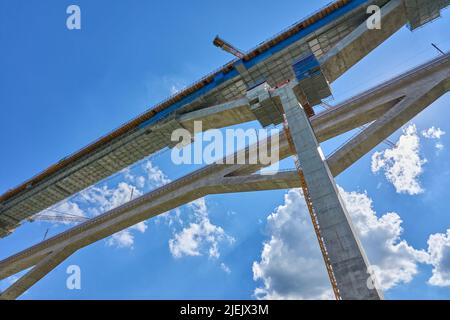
61 89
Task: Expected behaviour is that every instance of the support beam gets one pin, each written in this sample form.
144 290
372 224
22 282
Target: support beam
348 115
212 179
417 97
50 262
371 104
349 262
50 259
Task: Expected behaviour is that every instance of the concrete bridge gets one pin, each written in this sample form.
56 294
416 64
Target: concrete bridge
309 55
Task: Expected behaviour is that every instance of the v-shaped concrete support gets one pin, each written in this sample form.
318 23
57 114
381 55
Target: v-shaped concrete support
345 252
414 97
47 264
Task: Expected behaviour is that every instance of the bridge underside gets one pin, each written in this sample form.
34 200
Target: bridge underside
387 107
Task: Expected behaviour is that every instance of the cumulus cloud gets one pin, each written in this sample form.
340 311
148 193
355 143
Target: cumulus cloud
439 258
291 265
121 239
200 237
197 238
199 207
155 176
402 165
125 238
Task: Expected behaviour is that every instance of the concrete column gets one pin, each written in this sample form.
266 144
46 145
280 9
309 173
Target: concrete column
35 274
346 254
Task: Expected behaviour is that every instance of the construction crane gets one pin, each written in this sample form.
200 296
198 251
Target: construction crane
312 212
228 47
59 216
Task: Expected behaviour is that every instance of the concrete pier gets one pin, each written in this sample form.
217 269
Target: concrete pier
347 257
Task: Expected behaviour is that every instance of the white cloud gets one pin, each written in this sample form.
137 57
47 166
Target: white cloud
225 268
141 227
402 165
200 237
436 134
100 199
199 207
291 265
125 238
152 174
197 239
439 251
433 133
